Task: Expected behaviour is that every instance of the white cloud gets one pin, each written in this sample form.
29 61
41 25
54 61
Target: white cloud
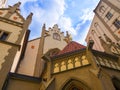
66 25
87 15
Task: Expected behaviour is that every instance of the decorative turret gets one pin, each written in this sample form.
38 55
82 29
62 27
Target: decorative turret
68 37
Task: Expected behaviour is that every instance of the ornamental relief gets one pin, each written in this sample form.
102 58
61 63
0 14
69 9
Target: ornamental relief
107 63
70 64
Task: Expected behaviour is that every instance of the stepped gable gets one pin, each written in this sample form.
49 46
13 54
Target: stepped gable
72 46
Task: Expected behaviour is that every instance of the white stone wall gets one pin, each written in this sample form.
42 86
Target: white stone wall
27 65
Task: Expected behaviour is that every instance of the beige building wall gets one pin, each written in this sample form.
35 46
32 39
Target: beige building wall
54 40
12 35
16 84
17 56
27 65
106 13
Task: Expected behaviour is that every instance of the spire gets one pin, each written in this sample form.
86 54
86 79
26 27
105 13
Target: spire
44 27
28 20
12 9
68 37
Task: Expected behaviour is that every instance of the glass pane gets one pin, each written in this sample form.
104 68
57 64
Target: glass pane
4 36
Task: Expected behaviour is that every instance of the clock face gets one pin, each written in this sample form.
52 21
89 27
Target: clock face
56 36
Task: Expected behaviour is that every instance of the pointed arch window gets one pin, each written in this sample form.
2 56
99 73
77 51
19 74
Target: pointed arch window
73 84
70 64
63 66
77 62
56 68
84 60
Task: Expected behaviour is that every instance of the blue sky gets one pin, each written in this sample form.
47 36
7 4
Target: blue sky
74 16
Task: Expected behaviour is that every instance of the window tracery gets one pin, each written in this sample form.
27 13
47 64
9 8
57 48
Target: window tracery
101 61
77 62
84 60
70 64
63 66
107 63
56 68
112 64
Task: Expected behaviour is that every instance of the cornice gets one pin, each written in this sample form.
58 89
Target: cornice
12 44
11 22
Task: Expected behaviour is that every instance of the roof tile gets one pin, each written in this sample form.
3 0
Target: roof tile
72 46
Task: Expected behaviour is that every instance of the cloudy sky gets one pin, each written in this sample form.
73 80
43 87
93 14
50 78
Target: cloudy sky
74 16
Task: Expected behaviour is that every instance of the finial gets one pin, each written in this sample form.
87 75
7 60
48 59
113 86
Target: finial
90 44
28 20
12 9
44 26
68 37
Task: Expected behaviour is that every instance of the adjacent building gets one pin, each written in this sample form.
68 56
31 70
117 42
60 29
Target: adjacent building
105 27
13 34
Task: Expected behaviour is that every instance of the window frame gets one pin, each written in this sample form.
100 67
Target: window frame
109 15
2 33
116 23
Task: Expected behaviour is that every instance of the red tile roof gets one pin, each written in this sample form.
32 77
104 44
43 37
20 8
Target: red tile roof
72 46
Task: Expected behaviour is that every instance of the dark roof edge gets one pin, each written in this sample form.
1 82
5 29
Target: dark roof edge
104 53
34 39
24 77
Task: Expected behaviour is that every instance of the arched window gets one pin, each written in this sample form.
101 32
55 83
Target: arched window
77 62
116 83
63 66
73 84
56 68
70 64
84 60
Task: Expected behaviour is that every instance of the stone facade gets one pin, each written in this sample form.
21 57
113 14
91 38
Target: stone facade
105 27
11 29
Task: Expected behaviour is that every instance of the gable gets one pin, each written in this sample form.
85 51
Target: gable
14 17
17 17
